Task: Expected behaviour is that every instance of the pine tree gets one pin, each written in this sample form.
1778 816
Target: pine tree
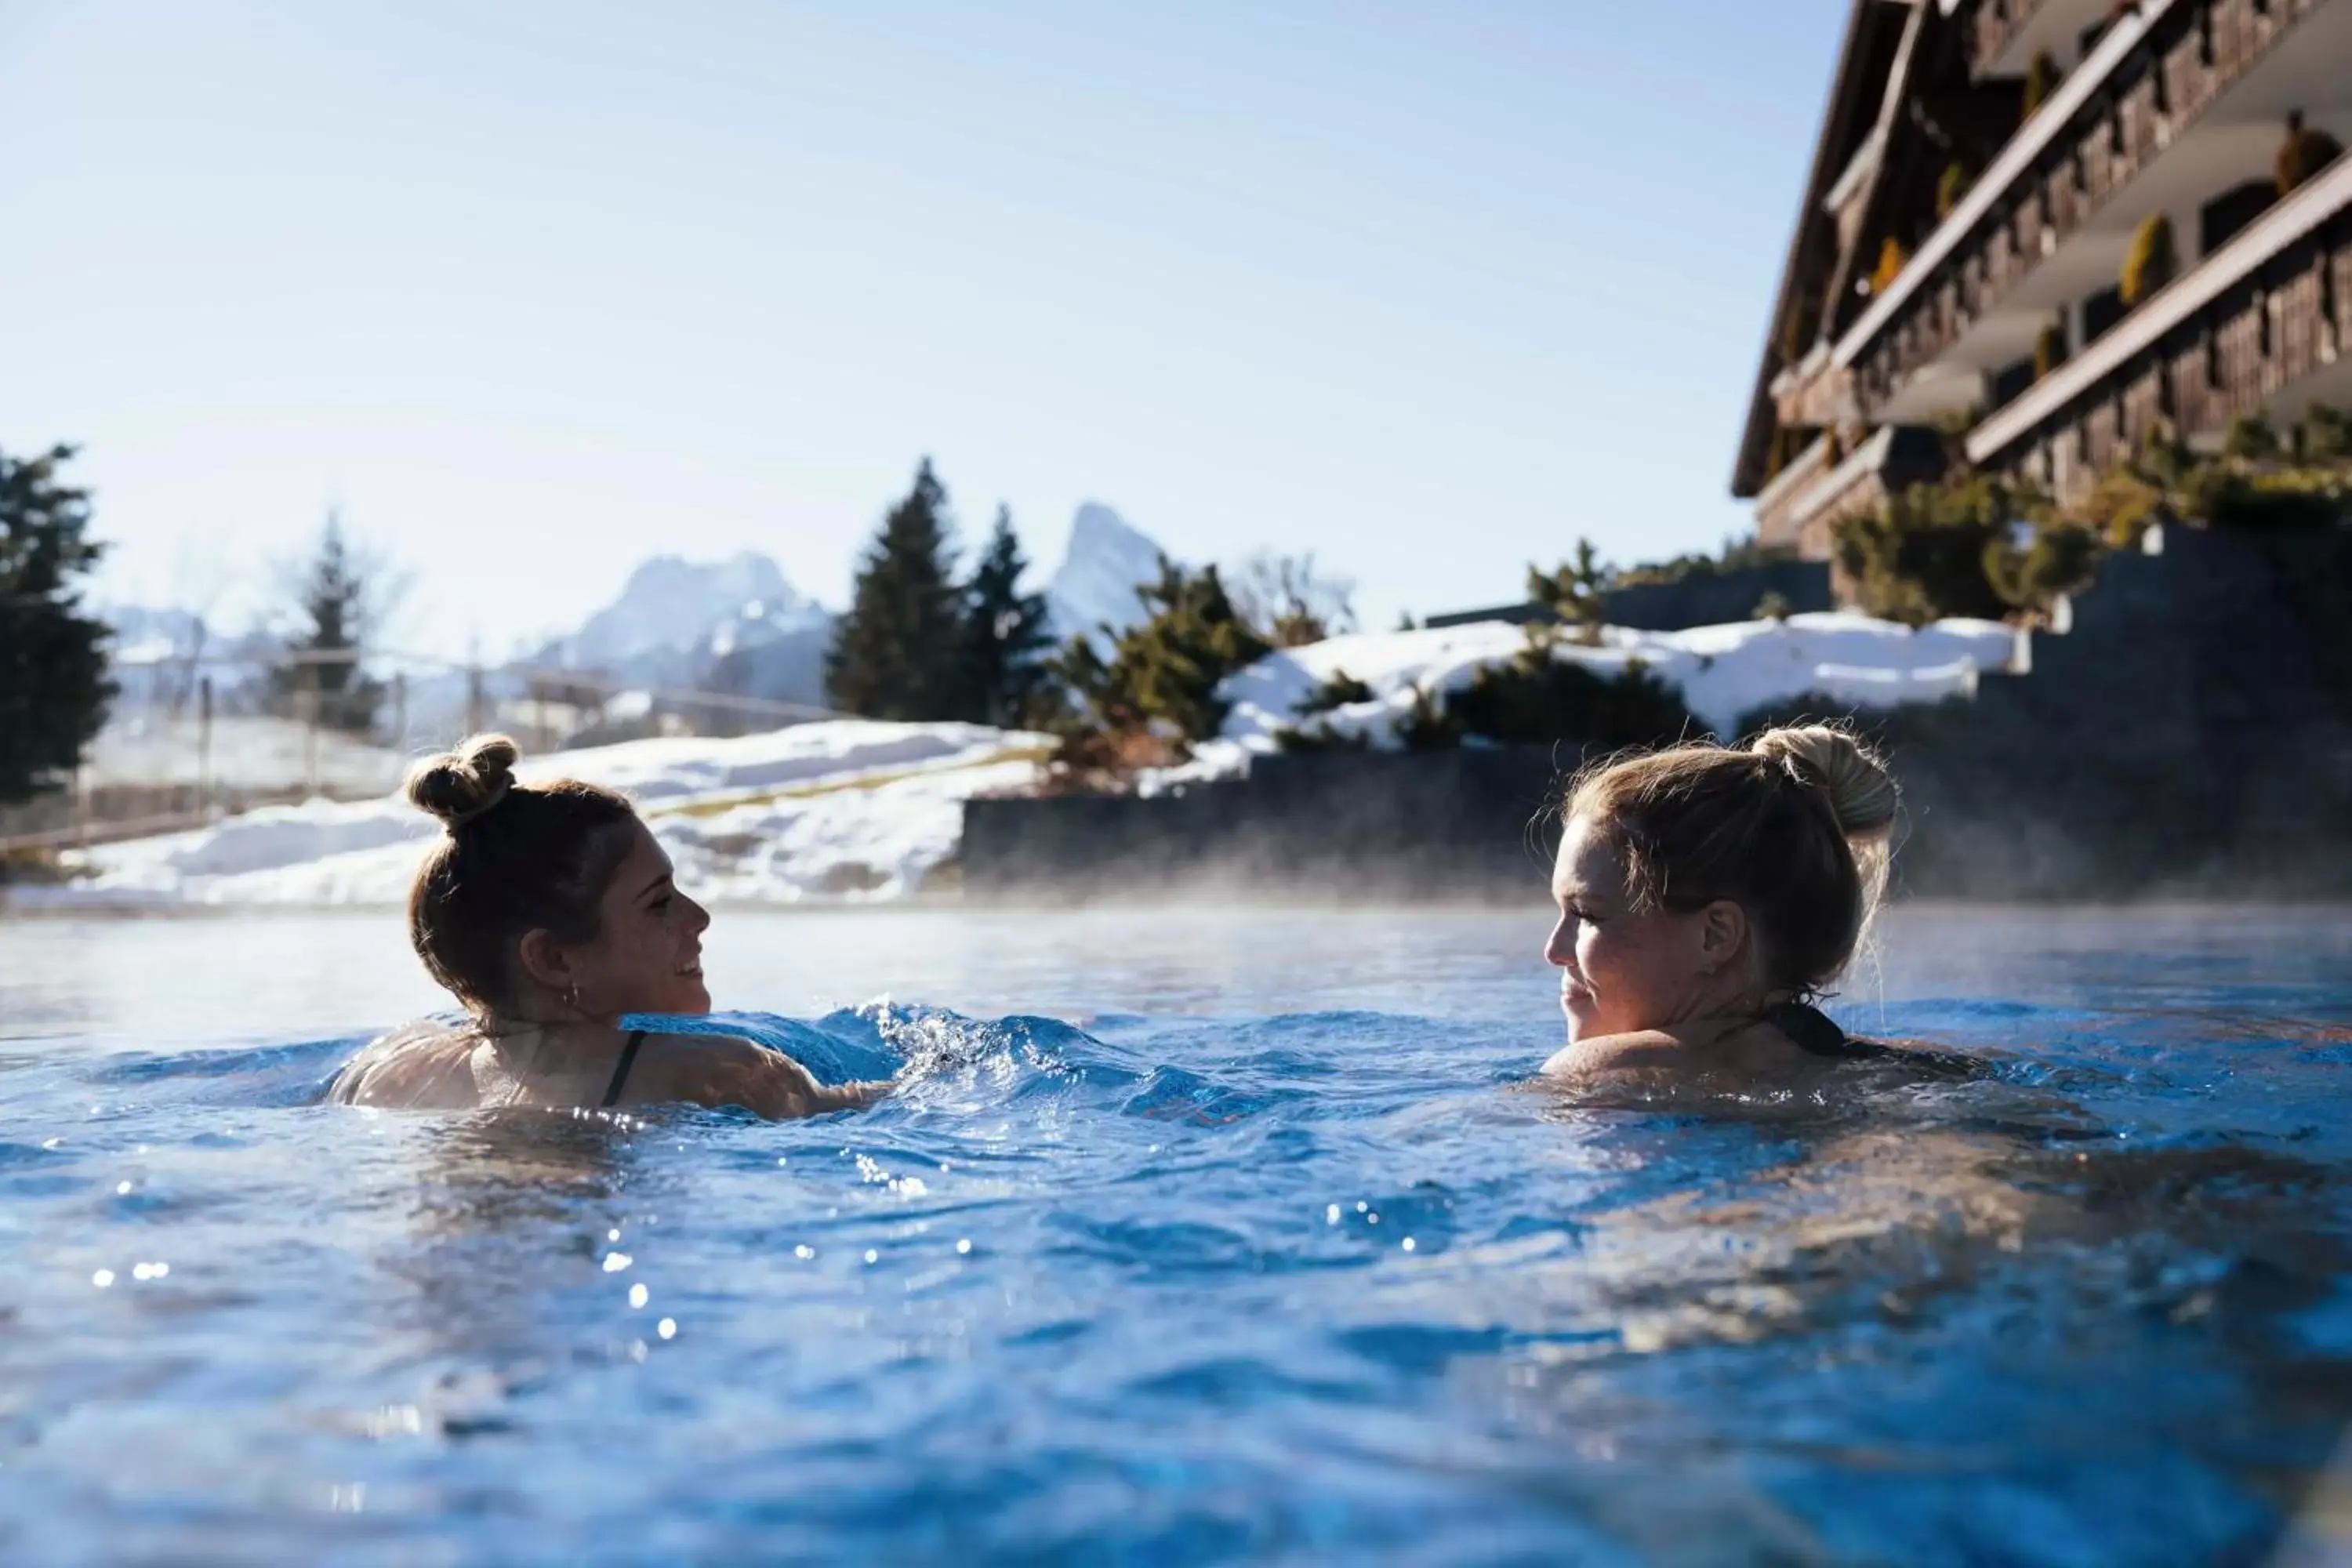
336 598
1169 669
53 684
895 653
1573 590
1005 633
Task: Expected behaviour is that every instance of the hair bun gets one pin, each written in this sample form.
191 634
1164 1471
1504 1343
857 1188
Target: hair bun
1851 776
460 785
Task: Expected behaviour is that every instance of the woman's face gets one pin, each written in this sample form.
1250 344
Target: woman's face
647 956
1620 971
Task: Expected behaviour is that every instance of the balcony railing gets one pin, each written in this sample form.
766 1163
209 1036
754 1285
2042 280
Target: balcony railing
2269 308
2186 58
1997 25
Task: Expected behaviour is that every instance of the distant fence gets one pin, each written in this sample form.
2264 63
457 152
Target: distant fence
193 736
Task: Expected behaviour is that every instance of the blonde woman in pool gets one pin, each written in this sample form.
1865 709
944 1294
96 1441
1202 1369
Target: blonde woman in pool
1707 896
549 911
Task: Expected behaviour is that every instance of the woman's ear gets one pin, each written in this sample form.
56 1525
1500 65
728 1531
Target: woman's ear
1722 935
544 960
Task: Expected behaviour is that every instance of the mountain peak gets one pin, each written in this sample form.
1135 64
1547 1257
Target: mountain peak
676 606
1107 559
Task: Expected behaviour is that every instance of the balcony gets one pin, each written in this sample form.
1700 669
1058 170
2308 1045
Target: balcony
1802 507
2008 33
2175 104
2264 326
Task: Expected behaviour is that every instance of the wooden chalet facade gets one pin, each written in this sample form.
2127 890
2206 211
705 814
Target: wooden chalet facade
1985 170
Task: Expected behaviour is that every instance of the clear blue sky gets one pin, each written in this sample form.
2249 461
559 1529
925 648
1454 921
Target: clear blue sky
533 289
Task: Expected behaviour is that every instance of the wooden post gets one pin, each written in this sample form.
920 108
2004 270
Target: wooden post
205 744
310 706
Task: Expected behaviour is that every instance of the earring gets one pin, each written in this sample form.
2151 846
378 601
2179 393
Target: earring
571 995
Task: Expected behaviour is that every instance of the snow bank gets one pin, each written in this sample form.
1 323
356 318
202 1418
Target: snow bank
141 746
848 808
859 809
1723 672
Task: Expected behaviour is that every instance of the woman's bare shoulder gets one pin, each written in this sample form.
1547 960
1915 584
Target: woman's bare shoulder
427 1064
1641 1049
727 1069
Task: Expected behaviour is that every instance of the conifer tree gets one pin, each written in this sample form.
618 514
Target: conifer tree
1572 591
53 684
1004 636
896 652
1169 667
338 594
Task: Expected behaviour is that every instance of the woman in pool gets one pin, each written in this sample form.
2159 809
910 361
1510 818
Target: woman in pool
1706 896
549 911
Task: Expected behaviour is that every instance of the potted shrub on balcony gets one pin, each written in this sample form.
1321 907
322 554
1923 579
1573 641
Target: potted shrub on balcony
1893 257
2305 152
2049 349
2153 261
2042 79
1950 186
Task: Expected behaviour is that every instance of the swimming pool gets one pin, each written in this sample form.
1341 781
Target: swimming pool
1197 1237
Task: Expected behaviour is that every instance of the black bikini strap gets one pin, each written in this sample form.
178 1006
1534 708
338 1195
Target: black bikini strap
1809 1029
621 1068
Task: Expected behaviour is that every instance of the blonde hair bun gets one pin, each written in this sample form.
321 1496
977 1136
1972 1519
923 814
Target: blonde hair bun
1852 778
460 785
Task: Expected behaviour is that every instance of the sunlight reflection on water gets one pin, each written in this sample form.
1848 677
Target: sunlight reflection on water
1271 1253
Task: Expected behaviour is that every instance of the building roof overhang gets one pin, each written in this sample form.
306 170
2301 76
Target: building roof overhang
1849 117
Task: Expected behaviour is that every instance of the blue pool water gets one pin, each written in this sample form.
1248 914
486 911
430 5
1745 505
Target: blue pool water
1192 1239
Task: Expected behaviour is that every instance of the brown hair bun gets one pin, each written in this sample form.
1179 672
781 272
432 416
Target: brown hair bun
1860 791
460 785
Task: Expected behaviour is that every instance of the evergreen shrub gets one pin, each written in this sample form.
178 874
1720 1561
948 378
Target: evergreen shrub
2305 152
1919 556
2251 440
2326 434
2153 260
1538 699
2049 349
1340 691
1893 256
2062 557
1950 186
2042 79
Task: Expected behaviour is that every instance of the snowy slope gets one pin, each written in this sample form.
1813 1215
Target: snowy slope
1095 584
1723 672
853 809
862 809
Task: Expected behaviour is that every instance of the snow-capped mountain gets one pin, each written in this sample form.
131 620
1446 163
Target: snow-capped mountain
675 614
1094 585
727 626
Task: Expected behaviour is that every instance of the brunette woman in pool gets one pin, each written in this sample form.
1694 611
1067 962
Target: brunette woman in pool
1706 896
549 911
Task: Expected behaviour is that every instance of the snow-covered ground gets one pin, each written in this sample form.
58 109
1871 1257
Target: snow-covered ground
858 810
847 808
247 751
1723 672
